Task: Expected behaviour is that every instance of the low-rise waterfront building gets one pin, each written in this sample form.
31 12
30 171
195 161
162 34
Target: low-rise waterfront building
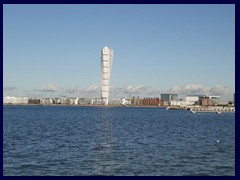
202 100
152 102
215 99
9 100
168 97
72 101
86 101
15 100
205 102
125 101
33 101
136 101
56 101
46 101
179 102
192 100
63 100
115 102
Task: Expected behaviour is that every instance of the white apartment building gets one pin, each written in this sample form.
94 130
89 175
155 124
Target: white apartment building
191 100
15 100
180 103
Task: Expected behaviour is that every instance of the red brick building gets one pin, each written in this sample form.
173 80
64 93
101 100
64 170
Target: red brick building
152 102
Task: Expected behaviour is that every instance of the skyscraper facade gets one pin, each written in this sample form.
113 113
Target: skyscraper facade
106 66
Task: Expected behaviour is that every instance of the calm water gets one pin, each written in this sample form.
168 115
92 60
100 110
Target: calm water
41 140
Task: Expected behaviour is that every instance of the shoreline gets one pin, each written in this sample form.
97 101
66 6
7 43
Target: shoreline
125 106
82 105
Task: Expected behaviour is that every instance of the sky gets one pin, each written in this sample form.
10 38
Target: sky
55 50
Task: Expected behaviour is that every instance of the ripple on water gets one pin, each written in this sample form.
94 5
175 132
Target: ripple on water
96 141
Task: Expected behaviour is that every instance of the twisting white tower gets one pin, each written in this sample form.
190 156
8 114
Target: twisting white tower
106 66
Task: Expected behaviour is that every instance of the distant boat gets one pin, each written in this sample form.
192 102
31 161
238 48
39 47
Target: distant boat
218 112
175 108
193 112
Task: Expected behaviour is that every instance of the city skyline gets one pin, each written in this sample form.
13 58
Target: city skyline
53 50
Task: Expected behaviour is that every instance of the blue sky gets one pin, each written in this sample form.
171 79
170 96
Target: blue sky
54 50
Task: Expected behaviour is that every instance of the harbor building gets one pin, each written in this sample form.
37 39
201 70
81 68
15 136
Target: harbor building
192 99
15 100
136 101
152 102
179 102
168 97
215 99
205 101
106 66
202 100
34 101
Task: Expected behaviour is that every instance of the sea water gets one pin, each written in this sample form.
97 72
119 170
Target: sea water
77 141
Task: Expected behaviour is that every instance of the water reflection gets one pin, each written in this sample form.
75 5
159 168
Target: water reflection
104 150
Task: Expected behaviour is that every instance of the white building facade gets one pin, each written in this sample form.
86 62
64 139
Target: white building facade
191 100
106 66
15 100
180 103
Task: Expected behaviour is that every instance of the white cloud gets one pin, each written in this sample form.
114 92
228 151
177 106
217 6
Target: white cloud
134 90
116 91
219 90
93 88
139 89
72 91
49 88
199 89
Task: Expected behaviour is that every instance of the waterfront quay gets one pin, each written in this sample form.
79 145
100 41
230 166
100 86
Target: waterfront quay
217 109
